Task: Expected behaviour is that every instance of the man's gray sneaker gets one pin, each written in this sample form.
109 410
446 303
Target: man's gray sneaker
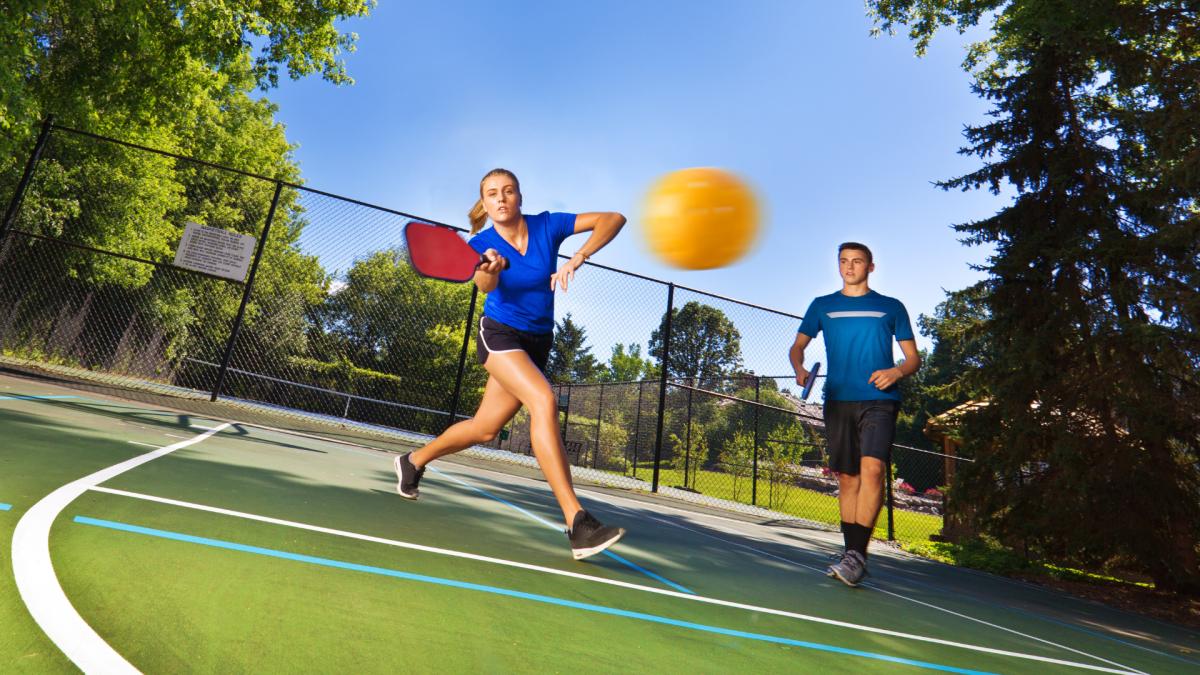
834 560
851 569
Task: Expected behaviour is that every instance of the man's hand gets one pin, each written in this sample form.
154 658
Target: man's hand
884 379
801 376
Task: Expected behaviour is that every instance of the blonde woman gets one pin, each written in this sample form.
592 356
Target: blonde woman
514 339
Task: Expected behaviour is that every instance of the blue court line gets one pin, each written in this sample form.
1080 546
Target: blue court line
495 590
632 565
5 507
20 397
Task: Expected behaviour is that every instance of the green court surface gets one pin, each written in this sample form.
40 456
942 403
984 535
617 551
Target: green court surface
140 538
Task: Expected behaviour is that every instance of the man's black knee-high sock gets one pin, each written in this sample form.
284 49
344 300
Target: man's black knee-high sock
858 538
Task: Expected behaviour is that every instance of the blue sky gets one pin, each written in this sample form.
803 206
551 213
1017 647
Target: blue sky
841 134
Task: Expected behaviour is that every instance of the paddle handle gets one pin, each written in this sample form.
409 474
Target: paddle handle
483 261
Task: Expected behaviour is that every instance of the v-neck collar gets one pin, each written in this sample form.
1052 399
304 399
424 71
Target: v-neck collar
509 244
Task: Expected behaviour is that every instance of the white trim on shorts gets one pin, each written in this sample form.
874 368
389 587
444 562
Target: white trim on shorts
485 344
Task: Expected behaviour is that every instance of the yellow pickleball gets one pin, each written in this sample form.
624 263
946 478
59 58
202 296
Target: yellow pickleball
700 218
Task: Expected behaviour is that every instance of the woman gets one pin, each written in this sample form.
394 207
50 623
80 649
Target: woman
514 339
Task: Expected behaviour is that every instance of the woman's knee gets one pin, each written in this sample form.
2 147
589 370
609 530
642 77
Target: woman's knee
483 432
543 404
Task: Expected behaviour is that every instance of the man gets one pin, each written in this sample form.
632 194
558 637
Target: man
862 398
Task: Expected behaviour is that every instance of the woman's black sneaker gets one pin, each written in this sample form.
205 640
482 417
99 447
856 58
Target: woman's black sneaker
407 476
589 536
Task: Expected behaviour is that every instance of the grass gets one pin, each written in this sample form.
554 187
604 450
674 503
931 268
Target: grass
910 527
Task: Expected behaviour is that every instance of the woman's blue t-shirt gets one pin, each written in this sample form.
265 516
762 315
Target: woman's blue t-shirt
523 298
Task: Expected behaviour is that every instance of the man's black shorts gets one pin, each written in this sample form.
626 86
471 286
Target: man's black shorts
497 338
858 429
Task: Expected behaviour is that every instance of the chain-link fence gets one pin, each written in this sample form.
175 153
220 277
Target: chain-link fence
327 328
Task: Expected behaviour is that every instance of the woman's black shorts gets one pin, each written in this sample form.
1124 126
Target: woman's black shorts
497 338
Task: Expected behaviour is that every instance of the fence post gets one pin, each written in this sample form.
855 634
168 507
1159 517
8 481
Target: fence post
566 415
754 471
890 504
599 416
662 383
14 204
687 442
462 357
637 429
241 313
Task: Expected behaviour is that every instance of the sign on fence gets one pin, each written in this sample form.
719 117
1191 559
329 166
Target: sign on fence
215 251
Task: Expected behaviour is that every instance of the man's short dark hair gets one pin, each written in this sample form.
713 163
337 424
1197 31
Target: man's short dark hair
857 247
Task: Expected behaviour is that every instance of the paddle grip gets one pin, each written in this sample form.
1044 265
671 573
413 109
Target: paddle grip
483 261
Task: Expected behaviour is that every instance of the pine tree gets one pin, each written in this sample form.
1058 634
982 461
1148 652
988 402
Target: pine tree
571 359
1089 447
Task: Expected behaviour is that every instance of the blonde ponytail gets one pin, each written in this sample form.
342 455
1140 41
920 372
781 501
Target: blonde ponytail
478 215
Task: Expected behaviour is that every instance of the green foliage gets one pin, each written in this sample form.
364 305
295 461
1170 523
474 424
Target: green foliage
986 554
627 365
146 65
571 359
705 345
687 459
944 380
977 553
176 76
736 457
386 318
1084 334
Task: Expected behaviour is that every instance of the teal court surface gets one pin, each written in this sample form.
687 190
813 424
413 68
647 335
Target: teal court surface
137 538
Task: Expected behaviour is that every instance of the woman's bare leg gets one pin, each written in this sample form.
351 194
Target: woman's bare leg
515 372
495 410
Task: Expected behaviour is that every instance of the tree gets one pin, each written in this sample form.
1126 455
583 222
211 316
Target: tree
944 381
139 69
570 359
386 318
1090 308
736 457
627 365
685 458
176 76
705 345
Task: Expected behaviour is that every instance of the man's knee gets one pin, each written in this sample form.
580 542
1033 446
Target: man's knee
872 470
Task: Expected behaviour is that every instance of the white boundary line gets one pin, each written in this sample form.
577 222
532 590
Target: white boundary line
611 582
612 499
38 584
875 587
